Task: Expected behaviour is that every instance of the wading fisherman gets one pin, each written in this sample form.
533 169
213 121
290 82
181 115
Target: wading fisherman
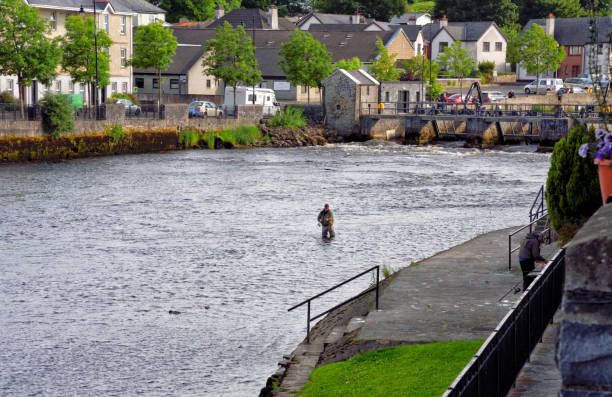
326 220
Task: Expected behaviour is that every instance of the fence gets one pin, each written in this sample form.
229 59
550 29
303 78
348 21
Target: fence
494 368
90 113
488 109
12 111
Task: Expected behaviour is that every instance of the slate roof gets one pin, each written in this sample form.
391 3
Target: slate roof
327 18
344 27
139 6
268 43
412 31
360 77
405 18
249 17
575 31
459 31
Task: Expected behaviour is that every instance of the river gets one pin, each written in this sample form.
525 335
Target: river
94 253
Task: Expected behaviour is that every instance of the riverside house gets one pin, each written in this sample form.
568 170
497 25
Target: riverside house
117 18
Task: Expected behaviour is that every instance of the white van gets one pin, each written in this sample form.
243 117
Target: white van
244 96
545 85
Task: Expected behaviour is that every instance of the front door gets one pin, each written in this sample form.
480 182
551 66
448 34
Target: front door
34 92
403 99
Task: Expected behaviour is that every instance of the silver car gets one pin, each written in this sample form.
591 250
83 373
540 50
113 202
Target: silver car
130 107
204 109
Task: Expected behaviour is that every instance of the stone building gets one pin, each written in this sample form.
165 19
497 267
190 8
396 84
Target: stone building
346 94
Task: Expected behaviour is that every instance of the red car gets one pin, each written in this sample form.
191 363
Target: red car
457 98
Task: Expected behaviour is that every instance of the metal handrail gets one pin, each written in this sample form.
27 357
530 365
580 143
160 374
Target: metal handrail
494 368
309 319
541 208
530 226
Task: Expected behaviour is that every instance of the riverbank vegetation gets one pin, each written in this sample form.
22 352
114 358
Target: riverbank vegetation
411 370
292 117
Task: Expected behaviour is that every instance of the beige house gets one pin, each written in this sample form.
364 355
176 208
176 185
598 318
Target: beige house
116 17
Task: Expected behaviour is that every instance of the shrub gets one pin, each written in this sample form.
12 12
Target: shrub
56 114
572 187
122 95
486 71
243 135
115 133
7 101
189 138
293 117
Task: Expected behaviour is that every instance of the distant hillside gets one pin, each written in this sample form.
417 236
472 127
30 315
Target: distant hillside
421 6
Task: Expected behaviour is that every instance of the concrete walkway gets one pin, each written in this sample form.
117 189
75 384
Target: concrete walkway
458 294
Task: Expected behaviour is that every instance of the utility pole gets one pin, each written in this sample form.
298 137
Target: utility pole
254 54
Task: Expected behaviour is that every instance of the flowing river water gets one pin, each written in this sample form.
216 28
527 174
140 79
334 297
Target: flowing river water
94 253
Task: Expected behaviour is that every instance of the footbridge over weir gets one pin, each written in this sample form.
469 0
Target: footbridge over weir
487 125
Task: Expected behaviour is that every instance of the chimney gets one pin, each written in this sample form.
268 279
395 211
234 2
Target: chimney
355 18
443 22
219 12
550 25
273 17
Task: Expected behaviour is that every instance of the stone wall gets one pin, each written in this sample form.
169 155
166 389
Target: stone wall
584 348
550 99
506 78
380 127
249 111
341 104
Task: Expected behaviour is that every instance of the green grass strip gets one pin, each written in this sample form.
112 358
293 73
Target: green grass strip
411 370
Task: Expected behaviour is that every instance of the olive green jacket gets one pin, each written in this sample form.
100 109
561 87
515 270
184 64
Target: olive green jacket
326 218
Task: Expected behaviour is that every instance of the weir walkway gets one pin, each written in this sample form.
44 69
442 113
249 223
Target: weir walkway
461 293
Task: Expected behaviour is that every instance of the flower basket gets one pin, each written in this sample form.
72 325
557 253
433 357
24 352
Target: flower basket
605 179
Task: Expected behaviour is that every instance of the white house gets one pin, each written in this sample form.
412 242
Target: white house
412 18
484 40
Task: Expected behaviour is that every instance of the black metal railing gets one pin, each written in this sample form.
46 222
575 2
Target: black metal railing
12 111
487 109
309 318
496 365
538 208
90 113
146 111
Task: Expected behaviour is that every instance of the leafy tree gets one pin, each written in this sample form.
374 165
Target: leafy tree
512 48
572 186
383 68
486 70
79 55
503 12
381 10
458 61
539 52
421 68
154 47
56 114
285 7
231 57
531 9
600 8
305 60
198 10
25 50
349 64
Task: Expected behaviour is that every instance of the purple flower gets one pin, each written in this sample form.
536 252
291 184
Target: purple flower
601 145
608 139
600 133
583 150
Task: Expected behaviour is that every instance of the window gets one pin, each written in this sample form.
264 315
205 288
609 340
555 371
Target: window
135 21
208 83
486 46
155 83
11 86
442 46
123 23
114 88
58 87
123 57
82 90
387 96
71 87
575 70
368 90
575 50
251 99
139 82
151 19
53 20
498 46
600 49
106 29
419 48
124 87
174 84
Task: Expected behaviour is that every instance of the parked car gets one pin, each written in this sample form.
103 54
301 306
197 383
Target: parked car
130 107
545 85
492 96
457 98
581 82
204 109
572 90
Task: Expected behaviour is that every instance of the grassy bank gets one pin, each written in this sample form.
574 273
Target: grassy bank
117 141
411 370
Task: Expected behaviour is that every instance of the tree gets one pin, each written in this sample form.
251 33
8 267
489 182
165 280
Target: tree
198 10
305 60
231 57
458 61
421 68
25 50
381 10
539 52
531 9
383 68
502 12
79 55
349 64
512 34
154 47
599 7
572 186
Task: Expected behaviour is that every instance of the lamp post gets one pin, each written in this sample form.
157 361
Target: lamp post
253 55
95 88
